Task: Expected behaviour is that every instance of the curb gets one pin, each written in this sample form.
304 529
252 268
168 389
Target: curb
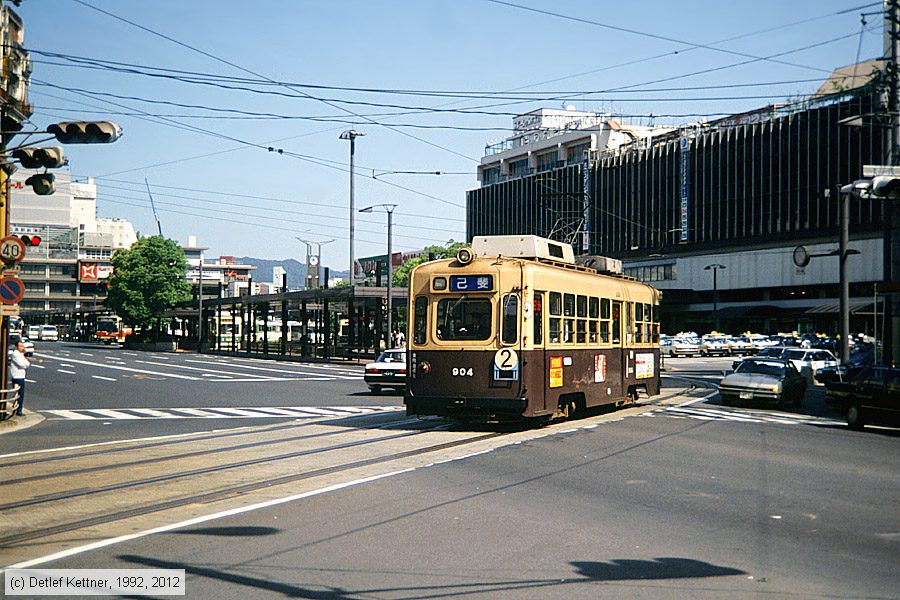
13 424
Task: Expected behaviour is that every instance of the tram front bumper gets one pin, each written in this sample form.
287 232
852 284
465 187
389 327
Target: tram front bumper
455 407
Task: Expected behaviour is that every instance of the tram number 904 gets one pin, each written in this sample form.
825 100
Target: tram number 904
462 372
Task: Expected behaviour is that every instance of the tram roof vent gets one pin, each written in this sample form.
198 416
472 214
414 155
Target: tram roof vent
523 246
601 264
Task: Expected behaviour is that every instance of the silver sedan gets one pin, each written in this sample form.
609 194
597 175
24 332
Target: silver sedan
769 380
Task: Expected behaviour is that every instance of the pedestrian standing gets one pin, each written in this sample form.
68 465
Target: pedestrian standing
18 364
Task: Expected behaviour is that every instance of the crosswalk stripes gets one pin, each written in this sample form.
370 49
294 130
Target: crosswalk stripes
222 412
740 415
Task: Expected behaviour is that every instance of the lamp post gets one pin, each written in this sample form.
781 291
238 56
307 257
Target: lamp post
389 209
715 269
352 134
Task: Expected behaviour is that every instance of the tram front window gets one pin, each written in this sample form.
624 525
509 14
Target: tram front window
464 318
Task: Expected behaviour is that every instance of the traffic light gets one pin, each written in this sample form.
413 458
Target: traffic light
886 186
86 132
31 240
43 183
51 157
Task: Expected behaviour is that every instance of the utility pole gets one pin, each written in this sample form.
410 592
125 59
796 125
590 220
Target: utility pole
891 250
352 134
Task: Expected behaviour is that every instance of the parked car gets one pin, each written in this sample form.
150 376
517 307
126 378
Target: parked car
678 347
49 333
771 380
741 345
859 360
770 352
710 346
808 361
872 396
388 371
33 332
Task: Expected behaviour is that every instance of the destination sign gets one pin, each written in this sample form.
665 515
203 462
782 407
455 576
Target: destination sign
471 283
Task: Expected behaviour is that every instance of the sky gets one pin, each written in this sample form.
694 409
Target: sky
203 89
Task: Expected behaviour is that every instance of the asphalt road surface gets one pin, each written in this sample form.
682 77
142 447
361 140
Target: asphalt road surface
680 497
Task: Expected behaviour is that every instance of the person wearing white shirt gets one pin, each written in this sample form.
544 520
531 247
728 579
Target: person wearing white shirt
18 364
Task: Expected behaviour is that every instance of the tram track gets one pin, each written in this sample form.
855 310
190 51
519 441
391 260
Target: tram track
213 495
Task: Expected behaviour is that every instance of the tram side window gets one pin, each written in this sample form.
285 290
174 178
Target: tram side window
568 331
638 322
655 322
605 317
569 305
420 325
510 319
539 318
617 323
628 308
555 323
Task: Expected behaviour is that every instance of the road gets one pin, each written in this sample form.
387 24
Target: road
681 497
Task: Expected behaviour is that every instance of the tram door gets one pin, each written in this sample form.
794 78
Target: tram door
539 357
619 358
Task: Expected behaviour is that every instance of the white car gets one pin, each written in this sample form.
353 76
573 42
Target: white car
49 333
809 360
388 371
33 332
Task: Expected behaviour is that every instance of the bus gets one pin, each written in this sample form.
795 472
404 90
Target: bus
514 329
111 329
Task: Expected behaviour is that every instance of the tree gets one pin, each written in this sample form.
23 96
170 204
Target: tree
401 274
147 279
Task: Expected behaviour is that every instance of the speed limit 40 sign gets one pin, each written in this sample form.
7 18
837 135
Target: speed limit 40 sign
12 249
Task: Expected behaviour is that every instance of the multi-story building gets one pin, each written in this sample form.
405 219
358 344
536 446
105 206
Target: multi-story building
224 272
67 270
711 213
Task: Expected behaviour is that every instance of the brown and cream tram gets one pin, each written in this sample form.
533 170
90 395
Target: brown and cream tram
512 328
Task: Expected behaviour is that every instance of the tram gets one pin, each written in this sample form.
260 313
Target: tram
513 328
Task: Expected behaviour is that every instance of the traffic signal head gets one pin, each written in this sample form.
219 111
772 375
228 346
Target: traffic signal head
43 184
886 186
51 157
31 240
86 132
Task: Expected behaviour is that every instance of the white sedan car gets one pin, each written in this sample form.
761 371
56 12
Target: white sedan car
809 360
388 371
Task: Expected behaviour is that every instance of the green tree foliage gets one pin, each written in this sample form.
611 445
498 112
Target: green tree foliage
147 279
401 274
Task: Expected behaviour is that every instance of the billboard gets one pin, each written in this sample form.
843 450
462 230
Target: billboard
93 271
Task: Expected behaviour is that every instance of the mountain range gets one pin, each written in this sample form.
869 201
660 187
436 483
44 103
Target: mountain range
296 270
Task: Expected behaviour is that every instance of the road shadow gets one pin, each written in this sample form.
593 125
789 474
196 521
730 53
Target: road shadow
623 569
586 572
228 531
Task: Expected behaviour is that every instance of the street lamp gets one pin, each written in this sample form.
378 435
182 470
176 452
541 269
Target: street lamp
352 134
389 209
715 269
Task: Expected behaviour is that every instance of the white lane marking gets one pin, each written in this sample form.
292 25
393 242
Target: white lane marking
150 412
65 371
349 374
203 519
29 380
85 353
150 362
130 353
65 365
119 368
270 379
115 414
216 412
322 367
104 378
33 366
65 414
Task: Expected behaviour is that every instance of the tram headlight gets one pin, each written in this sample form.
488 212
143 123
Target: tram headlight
425 367
465 255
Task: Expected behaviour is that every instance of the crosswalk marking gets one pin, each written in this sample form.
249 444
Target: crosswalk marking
219 412
740 416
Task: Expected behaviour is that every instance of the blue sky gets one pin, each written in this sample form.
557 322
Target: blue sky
263 200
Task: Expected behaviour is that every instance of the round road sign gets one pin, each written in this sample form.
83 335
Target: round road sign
11 290
12 249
